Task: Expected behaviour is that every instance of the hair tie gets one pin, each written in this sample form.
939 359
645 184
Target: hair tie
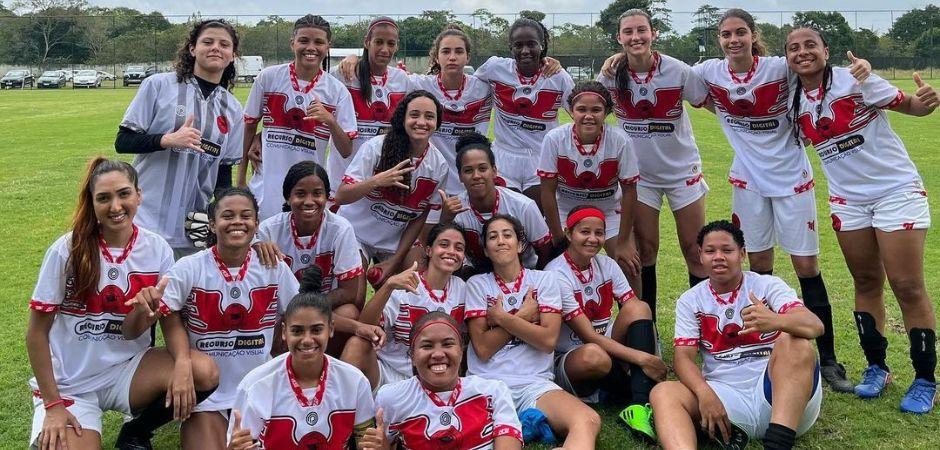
382 22
582 214
575 99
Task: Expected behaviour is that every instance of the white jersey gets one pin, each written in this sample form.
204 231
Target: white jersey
475 413
526 109
231 321
711 322
588 174
85 340
181 180
658 128
516 363
595 290
514 204
282 415
465 110
384 213
864 160
333 247
279 100
752 109
403 310
373 118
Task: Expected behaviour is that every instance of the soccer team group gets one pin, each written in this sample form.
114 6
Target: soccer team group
492 321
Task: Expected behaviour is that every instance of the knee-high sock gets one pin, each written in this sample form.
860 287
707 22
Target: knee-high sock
641 335
648 278
155 415
694 280
817 300
779 437
924 353
874 345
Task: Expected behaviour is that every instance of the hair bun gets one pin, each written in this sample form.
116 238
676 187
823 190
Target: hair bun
311 280
472 138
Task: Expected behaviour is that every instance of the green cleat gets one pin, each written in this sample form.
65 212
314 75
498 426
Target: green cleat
639 418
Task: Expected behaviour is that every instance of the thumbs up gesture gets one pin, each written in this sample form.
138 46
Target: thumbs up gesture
185 137
926 94
148 299
758 317
406 280
374 438
241 437
316 111
450 206
859 68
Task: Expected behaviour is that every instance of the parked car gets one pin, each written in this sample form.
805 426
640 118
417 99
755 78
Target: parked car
51 79
106 75
581 73
150 71
134 75
66 73
469 70
247 68
17 78
86 78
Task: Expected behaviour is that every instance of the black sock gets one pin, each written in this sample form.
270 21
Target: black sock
155 415
817 300
694 280
924 353
648 280
779 437
874 345
763 272
641 335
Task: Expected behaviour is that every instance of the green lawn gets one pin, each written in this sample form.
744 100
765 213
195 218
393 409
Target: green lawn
46 138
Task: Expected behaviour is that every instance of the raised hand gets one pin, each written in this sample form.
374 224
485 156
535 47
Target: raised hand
241 437
758 317
316 111
405 280
926 93
529 310
858 67
450 206
185 137
148 299
394 177
374 438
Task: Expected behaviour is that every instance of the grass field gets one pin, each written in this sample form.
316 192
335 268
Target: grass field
47 137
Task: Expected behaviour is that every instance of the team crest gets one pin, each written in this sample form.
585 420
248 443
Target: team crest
235 292
299 99
644 91
112 273
526 90
694 168
180 110
512 301
741 90
312 418
729 313
589 291
805 173
305 259
588 163
453 107
445 419
440 309
378 92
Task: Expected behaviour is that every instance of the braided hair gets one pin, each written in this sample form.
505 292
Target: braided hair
397 145
318 22
364 68
525 22
622 71
798 92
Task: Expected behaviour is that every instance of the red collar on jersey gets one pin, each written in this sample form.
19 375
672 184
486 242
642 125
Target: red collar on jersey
495 208
515 286
382 80
734 293
577 270
440 84
417 162
299 392
427 287
296 84
106 252
747 76
580 146
224 269
313 238
649 74
814 97
531 81
454 395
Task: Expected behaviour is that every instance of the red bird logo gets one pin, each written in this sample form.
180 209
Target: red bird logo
277 115
472 114
769 100
324 261
111 298
470 426
544 108
849 114
205 313
666 105
600 309
377 111
606 175
719 340
279 432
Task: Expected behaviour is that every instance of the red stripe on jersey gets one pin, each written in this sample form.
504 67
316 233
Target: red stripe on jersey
476 313
549 309
506 430
544 174
349 180
577 312
736 182
350 274
685 342
804 187
897 101
630 295
694 180
836 200
39 306
789 306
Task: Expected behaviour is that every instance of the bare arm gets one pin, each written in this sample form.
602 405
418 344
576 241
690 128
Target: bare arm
250 130
372 311
506 443
550 207
486 341
688 372
345 293
40 357
923 102
543 335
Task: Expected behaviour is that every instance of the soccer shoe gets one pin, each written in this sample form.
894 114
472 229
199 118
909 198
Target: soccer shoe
919 398
738 438
834 374
128 441
639 418
874 380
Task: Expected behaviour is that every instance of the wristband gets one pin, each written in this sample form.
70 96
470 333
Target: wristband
50 405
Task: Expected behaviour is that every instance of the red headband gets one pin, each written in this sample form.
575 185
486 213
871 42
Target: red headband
382 22
582 214
575 99
417 331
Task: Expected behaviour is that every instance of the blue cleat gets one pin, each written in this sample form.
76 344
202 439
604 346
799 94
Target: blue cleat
874 380
919 398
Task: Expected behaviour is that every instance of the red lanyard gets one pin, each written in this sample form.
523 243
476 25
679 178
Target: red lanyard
106 253
384 79
577 271
296 85
313 238
649 75
532 81
427 287
495 209
418 161
817 97
299 392
580 146
747 76
437 399
440 83
515 287
734 294
224 269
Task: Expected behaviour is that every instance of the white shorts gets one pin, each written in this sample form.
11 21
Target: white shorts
750 408
371 253
893 212
388 375
525 396
789 221
678 197
90 406
561 378
518 171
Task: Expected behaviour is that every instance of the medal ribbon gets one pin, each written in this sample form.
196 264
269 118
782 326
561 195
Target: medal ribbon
578 273
747 76
649 74
296 84
224 269
106 253
516 285
299 392
479 216
313 238
427 287
440 83
580 146
437 399
734 294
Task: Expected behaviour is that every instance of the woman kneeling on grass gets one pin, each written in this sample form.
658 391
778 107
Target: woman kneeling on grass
84 361
760 376
878 204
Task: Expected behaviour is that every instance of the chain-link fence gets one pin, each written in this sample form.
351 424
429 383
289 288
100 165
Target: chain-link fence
111 45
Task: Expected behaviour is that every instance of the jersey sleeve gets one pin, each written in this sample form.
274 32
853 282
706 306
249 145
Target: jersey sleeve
264 233
363 163
567 85
569 306
253 418
505 419
166 257
629 167
549 295
50 285
386 401
536 228
253 112
348 263
476 297
141 111
365 406
440 175
390 313
177 290
877 91
694 90
779 296
287 286
486 71
687 331
346 112
622 290
548 158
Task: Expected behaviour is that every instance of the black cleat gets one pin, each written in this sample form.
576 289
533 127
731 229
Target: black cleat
738 439
128 441
834 374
